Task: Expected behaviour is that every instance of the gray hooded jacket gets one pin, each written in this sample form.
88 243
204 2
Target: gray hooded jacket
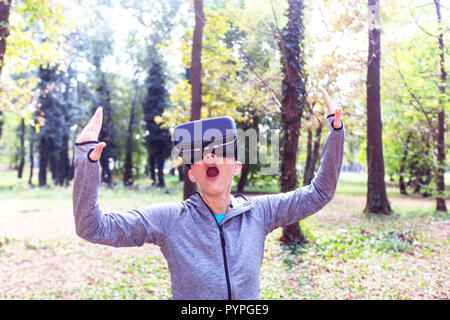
205 260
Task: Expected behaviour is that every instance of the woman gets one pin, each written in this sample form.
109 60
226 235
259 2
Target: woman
213 241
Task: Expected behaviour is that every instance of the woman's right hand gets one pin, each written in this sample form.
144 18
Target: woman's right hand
91 133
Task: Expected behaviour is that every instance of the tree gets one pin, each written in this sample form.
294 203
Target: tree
415 104
51 112
57 110
234 59
312 147
158 140
377 201
190 187
251 123
100 47
106 133
293 100
31 34
440 199
128 164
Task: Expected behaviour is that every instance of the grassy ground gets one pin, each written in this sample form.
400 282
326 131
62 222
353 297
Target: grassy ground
350 255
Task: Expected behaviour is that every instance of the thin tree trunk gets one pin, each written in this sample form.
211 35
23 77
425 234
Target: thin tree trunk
43 161
152 169
308 157
30 179
403 166
440 200
180 170
311 163
316 150
22 149
63 162
243 178
72 160
426 169
4 29
53 166
106 131
160 166
252 122
377 201
196 82
293 99
128 166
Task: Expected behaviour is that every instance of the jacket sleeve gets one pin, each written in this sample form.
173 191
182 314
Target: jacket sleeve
282 209
119 229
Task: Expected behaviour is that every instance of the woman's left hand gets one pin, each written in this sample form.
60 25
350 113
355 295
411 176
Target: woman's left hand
337 111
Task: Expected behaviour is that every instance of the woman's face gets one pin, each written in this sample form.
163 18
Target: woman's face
214 174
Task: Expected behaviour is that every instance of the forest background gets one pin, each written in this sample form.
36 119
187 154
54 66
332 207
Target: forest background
63 59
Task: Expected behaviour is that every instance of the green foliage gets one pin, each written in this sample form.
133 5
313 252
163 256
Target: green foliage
222 89
350 244
411 101
37 30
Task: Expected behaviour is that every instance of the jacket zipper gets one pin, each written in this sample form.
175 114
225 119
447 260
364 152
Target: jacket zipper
227 274
224 253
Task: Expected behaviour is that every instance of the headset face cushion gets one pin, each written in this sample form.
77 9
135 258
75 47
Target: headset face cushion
195 139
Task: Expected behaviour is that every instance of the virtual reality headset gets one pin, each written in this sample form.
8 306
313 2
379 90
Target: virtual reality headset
195 139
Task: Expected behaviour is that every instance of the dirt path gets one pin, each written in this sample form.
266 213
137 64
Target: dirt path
46 253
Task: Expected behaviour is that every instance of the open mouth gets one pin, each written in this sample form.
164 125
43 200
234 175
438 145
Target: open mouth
212 172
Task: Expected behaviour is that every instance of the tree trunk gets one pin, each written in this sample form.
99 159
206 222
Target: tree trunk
313 155
4 29
426 168
72 160
43 160
63 161
292 103
106 131
440 182
128 166
196 82
152 169
30 179
196 64
308 157
316 150
4 33
403 166
243 178
22 149
377 201
160 166
180 170
252 122
53 166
